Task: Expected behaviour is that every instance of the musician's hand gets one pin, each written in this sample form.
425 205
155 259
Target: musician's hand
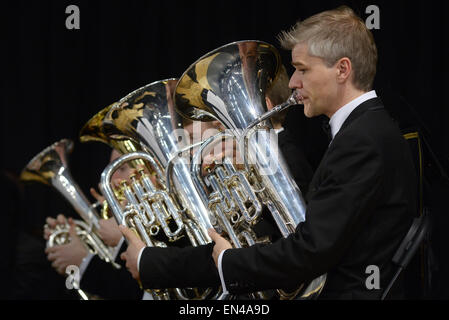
109 232
225 149
221 244
208 164
65 255
51 223
96 195
132 252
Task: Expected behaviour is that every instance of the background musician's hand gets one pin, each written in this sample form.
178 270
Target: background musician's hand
225 149
132 252
51 223
221 244
109 232
64 255
96 195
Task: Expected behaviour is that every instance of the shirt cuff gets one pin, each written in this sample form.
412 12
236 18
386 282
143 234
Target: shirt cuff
279 130
85 263
147 296
117 248
220 272
138 259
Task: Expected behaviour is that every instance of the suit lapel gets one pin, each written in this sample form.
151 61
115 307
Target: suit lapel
371 104
361 109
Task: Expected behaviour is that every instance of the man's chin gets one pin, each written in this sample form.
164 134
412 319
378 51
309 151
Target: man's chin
308 112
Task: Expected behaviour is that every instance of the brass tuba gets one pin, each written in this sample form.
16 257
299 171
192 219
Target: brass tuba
228 84
161 218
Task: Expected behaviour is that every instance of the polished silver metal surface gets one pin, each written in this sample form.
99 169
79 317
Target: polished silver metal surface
147 116
50 167
229 84
233 201
148 207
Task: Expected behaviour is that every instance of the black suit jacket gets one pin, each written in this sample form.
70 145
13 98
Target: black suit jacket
305 134
103 279
360 204
293 153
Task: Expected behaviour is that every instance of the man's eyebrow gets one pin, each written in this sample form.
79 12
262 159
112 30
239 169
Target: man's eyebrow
297 63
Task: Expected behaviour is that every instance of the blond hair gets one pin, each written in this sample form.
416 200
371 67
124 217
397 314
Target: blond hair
334 34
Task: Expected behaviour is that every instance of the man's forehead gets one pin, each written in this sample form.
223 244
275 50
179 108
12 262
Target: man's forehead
300 54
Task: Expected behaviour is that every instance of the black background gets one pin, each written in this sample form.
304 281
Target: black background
55 79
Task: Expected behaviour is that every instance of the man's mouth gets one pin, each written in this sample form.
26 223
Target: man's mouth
298 97
301 98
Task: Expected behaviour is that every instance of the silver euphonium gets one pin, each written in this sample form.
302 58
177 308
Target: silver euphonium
146 116
50 167
229 84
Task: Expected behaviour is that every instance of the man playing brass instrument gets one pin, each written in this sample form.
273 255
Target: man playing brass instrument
361 199
95 274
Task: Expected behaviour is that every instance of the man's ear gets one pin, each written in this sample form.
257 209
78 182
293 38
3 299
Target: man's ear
269 103
344 69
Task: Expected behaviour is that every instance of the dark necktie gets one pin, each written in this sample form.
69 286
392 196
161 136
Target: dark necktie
327 130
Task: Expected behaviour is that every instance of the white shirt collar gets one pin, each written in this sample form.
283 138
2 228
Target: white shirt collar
339 117
279 130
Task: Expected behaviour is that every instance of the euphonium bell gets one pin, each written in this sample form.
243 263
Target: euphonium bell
93 130
229 84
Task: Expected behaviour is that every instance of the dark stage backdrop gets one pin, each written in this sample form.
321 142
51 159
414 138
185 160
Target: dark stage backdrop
54 79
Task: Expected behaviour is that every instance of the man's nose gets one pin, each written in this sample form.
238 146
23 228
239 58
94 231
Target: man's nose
295 82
